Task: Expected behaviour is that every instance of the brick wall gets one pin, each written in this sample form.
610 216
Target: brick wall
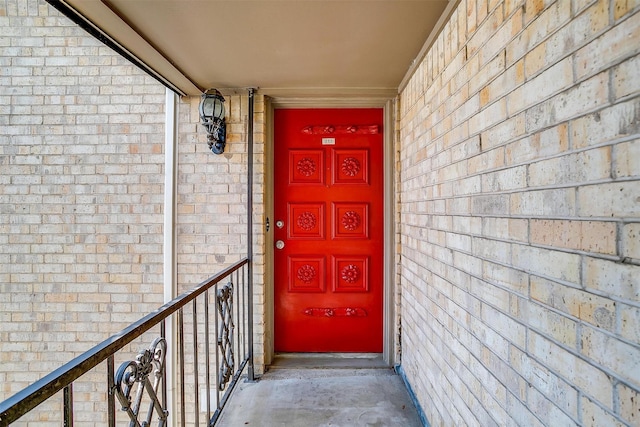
520 216
212 202
81 197
82 194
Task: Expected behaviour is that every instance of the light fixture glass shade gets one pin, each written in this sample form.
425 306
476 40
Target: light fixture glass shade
211 105
212 118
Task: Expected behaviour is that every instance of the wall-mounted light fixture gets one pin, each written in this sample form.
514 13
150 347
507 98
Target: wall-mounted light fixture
212 118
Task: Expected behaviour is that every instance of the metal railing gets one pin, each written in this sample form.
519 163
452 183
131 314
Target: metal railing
232 349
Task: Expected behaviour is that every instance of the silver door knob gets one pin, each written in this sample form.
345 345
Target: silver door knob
279 244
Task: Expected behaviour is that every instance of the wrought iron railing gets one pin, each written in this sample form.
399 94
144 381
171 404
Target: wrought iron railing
141 386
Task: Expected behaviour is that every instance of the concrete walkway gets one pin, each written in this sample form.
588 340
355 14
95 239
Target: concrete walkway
310 390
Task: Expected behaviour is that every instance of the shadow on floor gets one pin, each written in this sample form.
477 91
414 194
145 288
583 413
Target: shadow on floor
328 390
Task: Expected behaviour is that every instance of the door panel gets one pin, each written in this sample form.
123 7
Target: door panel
328 197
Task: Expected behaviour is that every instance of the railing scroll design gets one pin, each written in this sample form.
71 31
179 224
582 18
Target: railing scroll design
134 375
224 302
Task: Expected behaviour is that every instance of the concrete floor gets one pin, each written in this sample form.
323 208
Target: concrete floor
326 390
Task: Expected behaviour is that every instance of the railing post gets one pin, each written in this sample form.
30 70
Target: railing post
196 383
217 353
206 354
241 314
165 387
111 400
67 395
250 370
181 357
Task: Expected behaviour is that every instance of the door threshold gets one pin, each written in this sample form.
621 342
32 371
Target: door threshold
328 361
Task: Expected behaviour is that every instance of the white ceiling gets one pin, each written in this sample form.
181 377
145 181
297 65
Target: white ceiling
280 46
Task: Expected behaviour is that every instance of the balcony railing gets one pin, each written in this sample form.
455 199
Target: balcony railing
211 352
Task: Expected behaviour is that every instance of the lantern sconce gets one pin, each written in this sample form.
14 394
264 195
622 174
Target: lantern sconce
212 118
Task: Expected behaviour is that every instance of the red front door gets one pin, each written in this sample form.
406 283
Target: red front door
328 230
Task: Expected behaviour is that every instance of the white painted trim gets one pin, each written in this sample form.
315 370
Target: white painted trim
330 102
269 244
170 260
389 245
346 94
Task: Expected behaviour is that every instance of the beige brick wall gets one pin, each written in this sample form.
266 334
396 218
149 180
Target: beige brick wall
212 202
520 216
82 200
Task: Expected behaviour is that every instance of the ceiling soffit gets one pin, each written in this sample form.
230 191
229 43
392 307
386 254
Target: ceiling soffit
318 47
